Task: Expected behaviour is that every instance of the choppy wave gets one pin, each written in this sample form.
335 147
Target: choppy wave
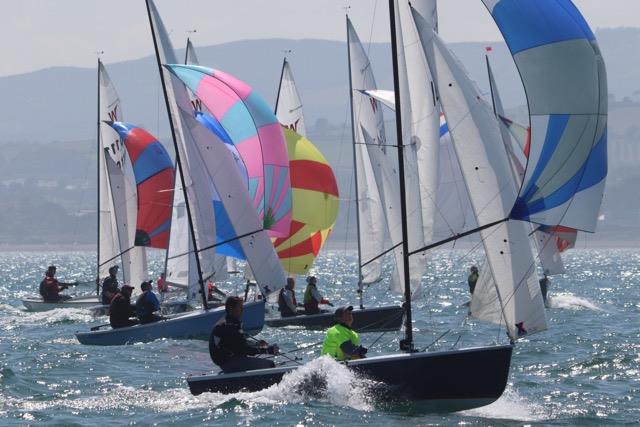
510 406
571 302
322 379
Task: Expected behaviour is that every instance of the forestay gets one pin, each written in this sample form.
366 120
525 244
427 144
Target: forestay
492 190
564 77
116 238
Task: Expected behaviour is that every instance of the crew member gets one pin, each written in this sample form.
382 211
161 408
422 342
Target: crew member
162 284
146 304
342 342
313 297
121 310
50 287
287 303
110 286
228 345
473 279
544 284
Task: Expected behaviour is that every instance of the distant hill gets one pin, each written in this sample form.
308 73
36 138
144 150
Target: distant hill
48 148
58 104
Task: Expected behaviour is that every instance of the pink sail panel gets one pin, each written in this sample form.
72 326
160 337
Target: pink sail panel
256 134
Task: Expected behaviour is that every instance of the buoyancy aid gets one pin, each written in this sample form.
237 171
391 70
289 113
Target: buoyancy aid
285 310
336 336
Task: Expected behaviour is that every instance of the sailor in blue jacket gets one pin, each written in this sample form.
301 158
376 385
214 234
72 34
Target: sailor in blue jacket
146 304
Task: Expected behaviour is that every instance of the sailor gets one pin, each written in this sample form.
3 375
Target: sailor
214 294
162 284
544 284
228 345
121 310
287 304
146 304
473 279
342 342
313 297
50 287
110 285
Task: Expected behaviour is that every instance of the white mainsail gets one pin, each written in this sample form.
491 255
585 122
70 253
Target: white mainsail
366 115
181 269
116 220
491 188
206 161
289 104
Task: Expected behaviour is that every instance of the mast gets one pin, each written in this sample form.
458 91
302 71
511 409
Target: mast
284 64
186 51
355 169
491 88
407 343
98 154
178 162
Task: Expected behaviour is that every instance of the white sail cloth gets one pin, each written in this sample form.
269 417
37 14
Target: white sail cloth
181 270
289 105
366 116
486 171
117 205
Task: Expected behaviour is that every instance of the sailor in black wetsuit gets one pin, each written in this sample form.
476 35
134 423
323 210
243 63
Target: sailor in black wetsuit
228 346
110 286
121 310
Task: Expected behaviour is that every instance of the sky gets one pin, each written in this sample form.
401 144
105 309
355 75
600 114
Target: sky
44 33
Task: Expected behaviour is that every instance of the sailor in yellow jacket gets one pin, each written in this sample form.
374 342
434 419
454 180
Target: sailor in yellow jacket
342 342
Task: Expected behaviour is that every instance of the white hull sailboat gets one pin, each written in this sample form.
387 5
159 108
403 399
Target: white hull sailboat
87 301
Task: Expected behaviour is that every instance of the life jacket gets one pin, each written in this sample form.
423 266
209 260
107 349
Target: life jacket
144 306
310 303
49 289
219 352
473 279
282 303
336 336
162 285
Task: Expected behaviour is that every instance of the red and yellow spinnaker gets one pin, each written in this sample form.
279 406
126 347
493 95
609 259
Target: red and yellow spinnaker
315 202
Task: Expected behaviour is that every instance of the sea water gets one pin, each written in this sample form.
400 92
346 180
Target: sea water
584 370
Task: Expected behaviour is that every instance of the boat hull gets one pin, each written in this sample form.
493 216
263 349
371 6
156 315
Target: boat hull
38 304
378 319
193 325
446 381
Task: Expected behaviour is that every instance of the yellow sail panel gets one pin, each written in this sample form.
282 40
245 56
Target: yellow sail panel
315 201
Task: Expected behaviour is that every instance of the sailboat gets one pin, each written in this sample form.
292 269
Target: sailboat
298 251
116 205
467 378
215 192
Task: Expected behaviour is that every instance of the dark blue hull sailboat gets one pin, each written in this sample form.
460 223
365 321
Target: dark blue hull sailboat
446 380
